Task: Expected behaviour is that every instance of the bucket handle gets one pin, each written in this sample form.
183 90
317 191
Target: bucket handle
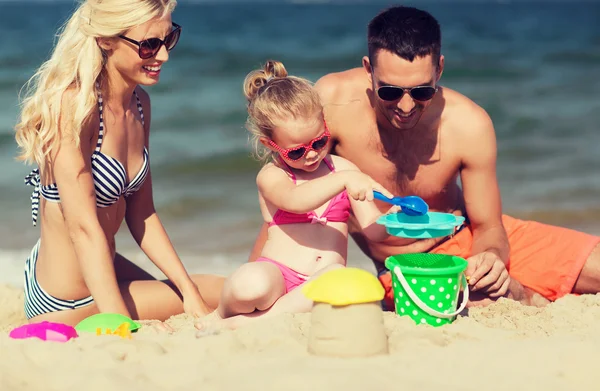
424 306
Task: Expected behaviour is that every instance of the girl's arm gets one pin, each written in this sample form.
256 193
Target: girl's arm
366 212
71 168
276 187
147 229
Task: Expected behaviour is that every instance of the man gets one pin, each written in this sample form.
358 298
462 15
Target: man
397 124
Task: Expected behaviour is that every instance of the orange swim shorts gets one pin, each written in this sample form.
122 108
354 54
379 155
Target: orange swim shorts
545 258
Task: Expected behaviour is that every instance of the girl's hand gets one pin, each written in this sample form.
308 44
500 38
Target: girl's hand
360 186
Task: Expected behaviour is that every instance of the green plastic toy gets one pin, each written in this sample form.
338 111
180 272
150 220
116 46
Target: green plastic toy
105 321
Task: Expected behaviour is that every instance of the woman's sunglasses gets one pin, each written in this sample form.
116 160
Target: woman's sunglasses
297 153
392 93
148 48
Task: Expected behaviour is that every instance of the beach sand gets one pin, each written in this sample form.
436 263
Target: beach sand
505 346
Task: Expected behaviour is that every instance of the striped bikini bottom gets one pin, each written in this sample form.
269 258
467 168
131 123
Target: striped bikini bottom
37 300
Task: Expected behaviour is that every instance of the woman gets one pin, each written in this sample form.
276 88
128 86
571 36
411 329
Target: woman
86 125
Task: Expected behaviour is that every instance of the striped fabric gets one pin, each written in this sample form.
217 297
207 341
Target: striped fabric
110 176
37 300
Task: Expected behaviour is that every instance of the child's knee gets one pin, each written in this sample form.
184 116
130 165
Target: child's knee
253 283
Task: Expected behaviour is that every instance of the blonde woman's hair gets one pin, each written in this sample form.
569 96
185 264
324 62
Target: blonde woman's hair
274 97
76 63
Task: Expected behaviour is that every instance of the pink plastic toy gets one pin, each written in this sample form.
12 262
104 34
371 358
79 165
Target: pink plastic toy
46 331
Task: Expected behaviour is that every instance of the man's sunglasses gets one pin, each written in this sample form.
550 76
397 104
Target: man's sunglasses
297 153
392 93
148 48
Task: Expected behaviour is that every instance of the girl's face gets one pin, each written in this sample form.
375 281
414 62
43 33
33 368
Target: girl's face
152 41
302 144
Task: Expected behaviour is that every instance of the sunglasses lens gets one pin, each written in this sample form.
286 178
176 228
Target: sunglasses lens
149 47
172 39
389 93
320 143
296 154
422 93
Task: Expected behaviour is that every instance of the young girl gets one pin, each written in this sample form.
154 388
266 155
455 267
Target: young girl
305 196
86 124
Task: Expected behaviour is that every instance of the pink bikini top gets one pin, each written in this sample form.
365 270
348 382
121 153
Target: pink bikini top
338 209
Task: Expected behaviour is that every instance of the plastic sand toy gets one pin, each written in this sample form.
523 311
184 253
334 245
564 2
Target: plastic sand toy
106 321
430 225
121 331
46 331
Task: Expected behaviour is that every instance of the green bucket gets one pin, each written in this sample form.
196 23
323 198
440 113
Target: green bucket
426 286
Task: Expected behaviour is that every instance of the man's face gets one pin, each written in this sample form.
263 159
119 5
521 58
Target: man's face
403 112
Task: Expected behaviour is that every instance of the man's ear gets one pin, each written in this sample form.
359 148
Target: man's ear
366 61
440 69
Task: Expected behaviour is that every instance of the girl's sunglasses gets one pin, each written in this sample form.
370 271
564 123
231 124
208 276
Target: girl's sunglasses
297 153
148 48
392 93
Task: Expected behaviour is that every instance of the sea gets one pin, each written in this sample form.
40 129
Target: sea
534 66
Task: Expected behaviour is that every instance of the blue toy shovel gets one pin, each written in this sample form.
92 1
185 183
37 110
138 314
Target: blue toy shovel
411 205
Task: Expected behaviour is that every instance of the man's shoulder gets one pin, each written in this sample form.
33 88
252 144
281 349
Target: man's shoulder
463 112
338 85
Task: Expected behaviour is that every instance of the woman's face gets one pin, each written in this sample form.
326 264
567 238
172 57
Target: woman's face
124 55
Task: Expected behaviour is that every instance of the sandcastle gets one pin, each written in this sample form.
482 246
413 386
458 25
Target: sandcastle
347 319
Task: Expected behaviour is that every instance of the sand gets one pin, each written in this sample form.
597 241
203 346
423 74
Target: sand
505 346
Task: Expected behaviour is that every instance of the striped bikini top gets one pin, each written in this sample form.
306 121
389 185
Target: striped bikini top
109 174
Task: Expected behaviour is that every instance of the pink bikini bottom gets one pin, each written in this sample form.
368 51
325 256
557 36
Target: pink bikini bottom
292 278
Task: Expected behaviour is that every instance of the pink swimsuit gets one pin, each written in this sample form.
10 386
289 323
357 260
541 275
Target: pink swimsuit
338 210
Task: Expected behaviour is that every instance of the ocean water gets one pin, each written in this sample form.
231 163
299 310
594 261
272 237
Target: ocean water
533 65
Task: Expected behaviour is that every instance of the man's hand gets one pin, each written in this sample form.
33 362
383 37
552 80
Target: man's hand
486 273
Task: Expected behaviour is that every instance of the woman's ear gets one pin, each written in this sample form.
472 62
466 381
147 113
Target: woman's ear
106 44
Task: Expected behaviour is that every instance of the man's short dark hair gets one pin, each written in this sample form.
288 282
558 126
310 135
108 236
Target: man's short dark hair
405 31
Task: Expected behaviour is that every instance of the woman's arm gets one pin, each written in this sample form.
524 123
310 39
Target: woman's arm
71 168
146 227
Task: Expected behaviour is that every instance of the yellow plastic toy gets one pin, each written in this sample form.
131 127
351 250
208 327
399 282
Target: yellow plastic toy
344 286
121 331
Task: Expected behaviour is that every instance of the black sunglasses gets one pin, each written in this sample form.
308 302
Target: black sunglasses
149 47
392 93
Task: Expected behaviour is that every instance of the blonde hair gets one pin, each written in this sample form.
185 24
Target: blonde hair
76 63
274 97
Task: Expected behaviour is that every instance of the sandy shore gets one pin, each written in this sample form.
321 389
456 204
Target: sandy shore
506 346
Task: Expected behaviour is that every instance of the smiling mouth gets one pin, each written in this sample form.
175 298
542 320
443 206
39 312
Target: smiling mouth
151 68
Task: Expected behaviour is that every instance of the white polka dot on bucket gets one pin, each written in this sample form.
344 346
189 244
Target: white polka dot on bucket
407 303
452 302
415 312
432 282
423 289
400 294
395 285
414 280
432 297
440 305
454 287
441 289
438 320
449 281
448 296
397 300
402 310
423 320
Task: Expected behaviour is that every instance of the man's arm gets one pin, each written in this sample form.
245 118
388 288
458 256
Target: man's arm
490 249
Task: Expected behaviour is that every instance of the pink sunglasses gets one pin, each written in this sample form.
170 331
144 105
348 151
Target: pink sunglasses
298 152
